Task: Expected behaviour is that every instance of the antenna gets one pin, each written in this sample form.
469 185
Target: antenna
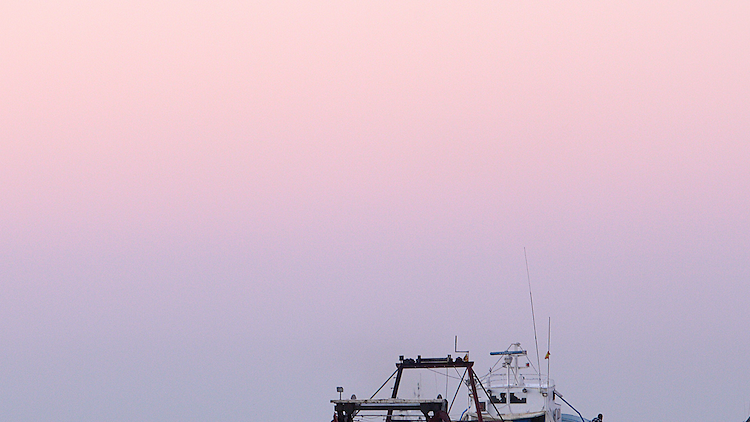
533 318
549 332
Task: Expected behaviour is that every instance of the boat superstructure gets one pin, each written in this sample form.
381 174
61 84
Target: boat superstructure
515 392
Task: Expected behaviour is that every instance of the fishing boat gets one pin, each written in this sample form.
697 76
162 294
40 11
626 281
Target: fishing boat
515 392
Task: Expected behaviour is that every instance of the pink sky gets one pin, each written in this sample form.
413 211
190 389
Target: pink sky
209 182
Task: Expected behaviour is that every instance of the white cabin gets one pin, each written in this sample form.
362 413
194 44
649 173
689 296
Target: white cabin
515 392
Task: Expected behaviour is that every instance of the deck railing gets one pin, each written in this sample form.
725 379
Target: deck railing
530 380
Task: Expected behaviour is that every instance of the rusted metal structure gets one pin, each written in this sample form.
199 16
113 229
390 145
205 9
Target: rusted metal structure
434 410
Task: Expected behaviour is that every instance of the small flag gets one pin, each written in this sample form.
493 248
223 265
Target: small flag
547 356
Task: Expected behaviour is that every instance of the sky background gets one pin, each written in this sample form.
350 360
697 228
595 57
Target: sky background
220 211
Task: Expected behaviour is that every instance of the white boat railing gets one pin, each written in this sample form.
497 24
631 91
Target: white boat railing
528 380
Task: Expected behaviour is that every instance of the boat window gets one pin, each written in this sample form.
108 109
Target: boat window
483 406
514 399
494 399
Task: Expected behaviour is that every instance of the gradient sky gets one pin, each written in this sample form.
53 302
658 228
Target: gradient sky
220 211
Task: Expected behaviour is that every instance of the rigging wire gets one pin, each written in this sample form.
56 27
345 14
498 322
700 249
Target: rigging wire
442 374
386 382
457 388
533 318
436 381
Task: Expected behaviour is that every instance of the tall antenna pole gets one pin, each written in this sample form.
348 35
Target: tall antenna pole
533 318
549 332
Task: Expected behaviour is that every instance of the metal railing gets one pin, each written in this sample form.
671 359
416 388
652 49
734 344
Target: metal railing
529 380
